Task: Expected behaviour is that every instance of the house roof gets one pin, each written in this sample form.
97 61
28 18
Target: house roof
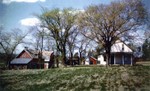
33 53
20 61
119 46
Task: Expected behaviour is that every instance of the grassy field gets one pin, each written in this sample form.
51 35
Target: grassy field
135 78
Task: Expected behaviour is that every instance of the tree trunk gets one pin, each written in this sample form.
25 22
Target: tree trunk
71 59
57 62
64 56
41 58
108 54
107 59
9 58
80 59
64 60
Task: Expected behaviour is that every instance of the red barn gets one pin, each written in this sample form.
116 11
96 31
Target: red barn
29 59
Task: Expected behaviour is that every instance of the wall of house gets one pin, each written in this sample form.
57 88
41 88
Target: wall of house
119 58
93 60
101 60
35 64
51 62
127 58
120 47
18 66
87 61
46 65
24 55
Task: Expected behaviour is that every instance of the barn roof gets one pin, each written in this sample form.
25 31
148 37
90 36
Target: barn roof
20 61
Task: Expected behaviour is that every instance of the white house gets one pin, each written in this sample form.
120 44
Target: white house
120 54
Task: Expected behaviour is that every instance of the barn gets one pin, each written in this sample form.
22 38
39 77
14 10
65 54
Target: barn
30 59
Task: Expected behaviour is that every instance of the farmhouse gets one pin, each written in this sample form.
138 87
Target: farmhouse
30 59
120 54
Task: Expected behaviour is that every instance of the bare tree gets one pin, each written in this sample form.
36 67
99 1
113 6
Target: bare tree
107 23
49 43
59 23
82 45
9 42
39 35
72 43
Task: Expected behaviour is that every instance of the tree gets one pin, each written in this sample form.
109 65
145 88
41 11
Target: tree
83 45
72 43
9 42
98 51
146 49
60 24
107 23
40 36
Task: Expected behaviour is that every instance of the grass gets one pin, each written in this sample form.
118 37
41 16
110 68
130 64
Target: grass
2 63
146 63
88 78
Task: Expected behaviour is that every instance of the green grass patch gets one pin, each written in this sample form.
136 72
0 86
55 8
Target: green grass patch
77 79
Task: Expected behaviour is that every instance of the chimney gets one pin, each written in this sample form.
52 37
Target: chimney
122 47
36 49
26 48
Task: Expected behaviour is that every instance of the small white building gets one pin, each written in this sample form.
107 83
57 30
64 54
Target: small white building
120 54
101 60
87 61
48 61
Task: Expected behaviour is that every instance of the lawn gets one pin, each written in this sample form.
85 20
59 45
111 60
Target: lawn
96 78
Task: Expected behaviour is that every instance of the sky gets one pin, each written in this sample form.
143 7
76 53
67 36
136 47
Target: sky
20 13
